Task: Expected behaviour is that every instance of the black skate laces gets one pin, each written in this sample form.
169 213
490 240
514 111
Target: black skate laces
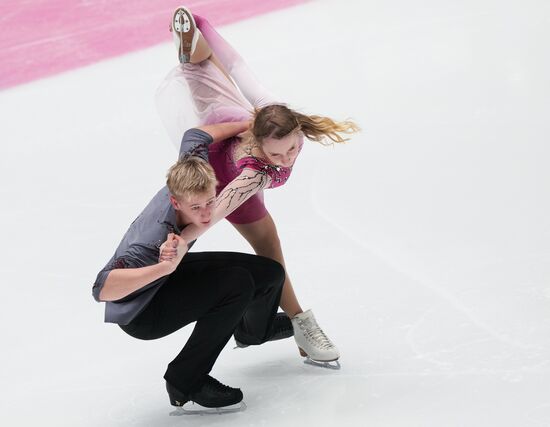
214 385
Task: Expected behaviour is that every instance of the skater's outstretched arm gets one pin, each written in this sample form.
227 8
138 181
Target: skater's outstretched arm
222 131
238 191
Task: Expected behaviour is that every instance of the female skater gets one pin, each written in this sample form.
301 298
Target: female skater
260 158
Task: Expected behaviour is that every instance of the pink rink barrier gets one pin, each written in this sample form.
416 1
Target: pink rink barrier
39 38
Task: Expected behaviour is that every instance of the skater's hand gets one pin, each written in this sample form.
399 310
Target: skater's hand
168 250
173 250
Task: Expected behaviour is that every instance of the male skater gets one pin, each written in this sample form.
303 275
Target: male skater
152 294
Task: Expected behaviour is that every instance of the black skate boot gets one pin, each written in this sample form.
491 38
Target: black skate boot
212 394
282 328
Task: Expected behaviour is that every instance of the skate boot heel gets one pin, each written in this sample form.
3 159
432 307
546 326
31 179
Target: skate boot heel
176 397
302 352
175 402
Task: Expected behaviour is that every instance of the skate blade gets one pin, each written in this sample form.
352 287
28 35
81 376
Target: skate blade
334 364
196 409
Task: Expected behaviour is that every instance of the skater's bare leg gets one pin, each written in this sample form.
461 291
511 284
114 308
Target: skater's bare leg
218 64
227 55
231 63
262 236
202 51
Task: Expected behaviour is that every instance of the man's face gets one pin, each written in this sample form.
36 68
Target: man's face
196 208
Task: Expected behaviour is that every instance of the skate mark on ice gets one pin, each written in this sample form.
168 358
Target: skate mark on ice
539 414
431 356
441 293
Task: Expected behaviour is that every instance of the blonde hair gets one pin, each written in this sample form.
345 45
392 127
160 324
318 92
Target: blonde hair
191 175
277 121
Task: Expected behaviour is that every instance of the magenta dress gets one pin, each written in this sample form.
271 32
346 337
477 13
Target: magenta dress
217 100
221 159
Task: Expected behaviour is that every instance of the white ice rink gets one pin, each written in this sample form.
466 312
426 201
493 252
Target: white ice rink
423 245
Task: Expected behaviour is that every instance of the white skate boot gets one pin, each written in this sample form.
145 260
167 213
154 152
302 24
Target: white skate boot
185 33
313 343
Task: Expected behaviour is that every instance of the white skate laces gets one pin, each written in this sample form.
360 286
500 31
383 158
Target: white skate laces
315 335
312 341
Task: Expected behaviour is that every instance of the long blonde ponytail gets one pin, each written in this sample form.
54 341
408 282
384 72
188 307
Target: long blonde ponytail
277 121
317 128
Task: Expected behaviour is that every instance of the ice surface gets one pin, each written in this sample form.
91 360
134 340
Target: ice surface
422 245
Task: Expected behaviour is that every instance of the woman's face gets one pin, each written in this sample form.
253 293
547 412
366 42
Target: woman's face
282 152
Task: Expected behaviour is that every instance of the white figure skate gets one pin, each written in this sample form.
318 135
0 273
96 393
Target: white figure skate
313 343
185 33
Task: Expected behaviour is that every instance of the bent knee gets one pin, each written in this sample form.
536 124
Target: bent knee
238 281
279 272
274 272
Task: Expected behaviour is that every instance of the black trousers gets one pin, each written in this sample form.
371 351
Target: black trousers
225 293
